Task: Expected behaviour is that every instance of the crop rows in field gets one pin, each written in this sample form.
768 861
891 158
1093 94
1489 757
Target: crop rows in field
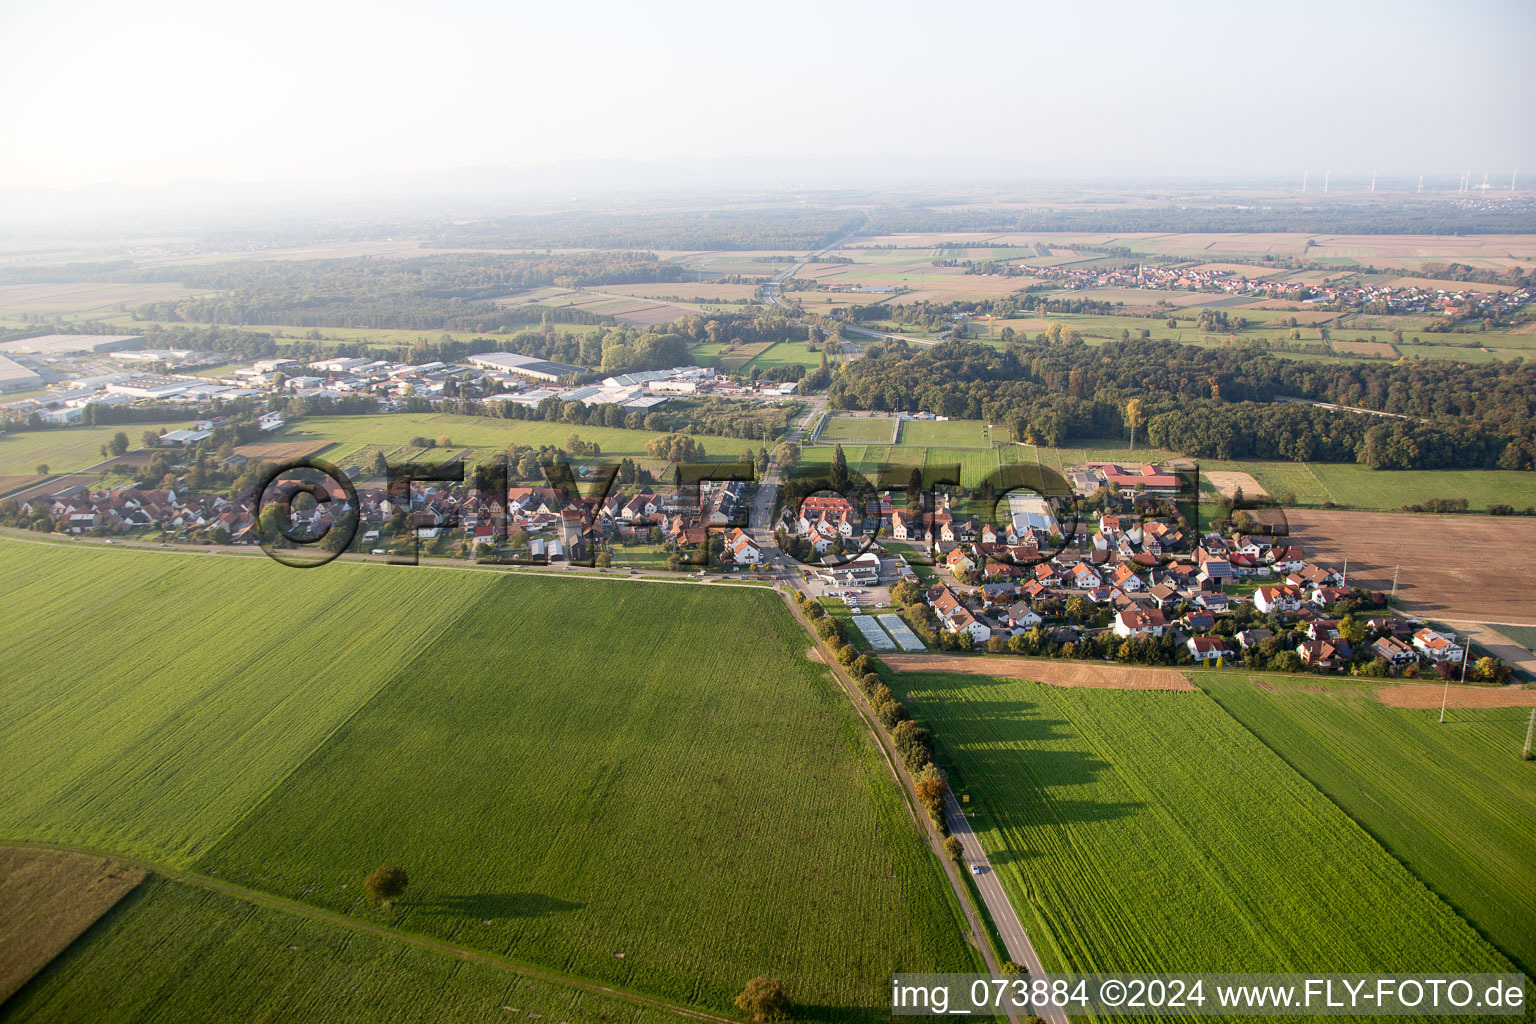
570 769
586 769
1453 802
150 699
173 952
1136 831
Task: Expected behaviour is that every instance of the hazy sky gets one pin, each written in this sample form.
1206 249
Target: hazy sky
153 92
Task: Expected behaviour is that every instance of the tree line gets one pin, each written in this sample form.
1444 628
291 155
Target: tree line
1212 402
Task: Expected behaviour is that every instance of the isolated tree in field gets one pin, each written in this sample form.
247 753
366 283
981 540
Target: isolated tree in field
764 999
953 850
151 439
42 469
839 472
387 882
120 443
1134 417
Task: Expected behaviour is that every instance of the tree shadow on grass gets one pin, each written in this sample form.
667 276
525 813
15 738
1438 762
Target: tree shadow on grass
834 1014
497 905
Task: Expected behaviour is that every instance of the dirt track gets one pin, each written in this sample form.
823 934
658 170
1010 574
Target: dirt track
1454 566
1057 673
1427 695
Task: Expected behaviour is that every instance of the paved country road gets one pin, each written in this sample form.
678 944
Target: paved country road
1015 939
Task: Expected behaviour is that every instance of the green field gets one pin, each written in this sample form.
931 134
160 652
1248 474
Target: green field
858 430
1136 830
950 433
627 795
1453 802
172 952
1390 489
65 449
1263 325
152 699
785 353
569 769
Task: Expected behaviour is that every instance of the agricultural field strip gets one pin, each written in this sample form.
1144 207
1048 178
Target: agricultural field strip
917 872
295 839
15 536
1095 824
219 720
1452 802
311 912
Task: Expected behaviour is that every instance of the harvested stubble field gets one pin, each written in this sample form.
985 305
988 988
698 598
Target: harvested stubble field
556 799
1453 802
1133 830
280 451
47 899
88 296
1430 695
1093 675
1444 559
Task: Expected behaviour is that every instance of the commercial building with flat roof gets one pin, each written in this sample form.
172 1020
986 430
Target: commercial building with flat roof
15 377
71 344
524 366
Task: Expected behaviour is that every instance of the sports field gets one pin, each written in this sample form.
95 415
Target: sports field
1453 802
859 429
950 433
569 769
1139 829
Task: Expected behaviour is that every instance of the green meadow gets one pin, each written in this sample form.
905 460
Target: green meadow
1452 801
170 952
569 769
1150 831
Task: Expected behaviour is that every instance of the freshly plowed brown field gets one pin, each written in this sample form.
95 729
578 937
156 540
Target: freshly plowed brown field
1428 695
1451 566
1056 673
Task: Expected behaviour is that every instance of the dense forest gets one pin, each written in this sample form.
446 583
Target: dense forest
1213 402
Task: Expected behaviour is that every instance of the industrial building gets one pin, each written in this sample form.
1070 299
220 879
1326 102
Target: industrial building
71 344
524 366
15 377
